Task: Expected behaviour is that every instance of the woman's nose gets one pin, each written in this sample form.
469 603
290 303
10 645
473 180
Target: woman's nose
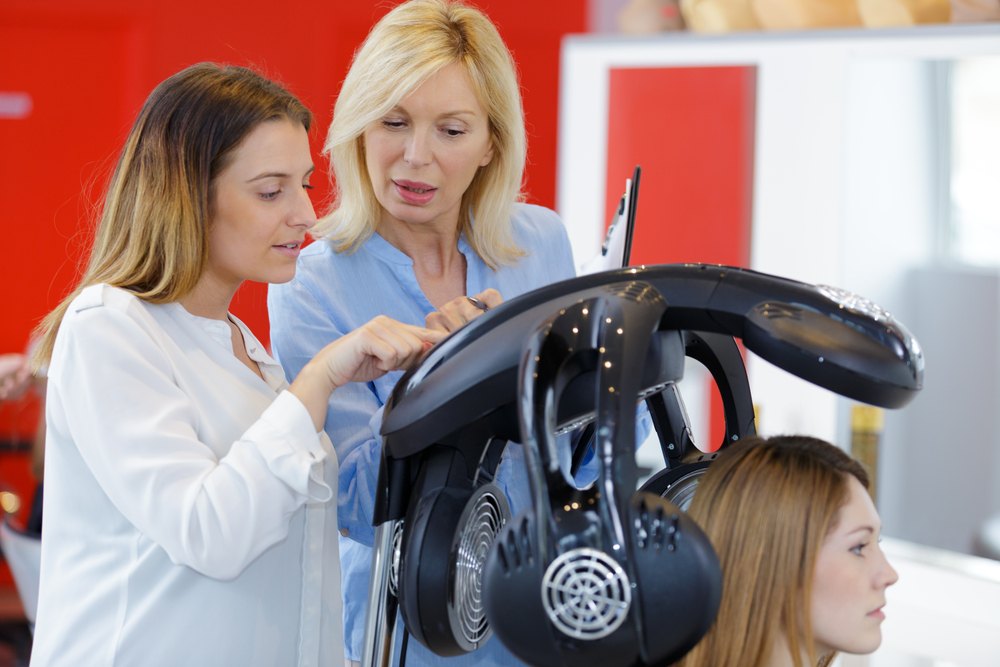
417 150
887 573
303 214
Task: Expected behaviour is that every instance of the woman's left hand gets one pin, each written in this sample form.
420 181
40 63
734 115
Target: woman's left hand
460 311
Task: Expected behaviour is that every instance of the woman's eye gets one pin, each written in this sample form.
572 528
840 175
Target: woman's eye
858 549
453 131
308 186
270 194
392 124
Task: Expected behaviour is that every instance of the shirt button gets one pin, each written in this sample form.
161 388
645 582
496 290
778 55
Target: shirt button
345 532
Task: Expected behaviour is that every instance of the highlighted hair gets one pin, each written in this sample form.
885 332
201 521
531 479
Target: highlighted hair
151 234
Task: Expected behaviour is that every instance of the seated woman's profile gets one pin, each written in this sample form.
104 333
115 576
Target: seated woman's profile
798 538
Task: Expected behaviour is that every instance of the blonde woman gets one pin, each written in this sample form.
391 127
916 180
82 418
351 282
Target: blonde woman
427 145
798 539
188 513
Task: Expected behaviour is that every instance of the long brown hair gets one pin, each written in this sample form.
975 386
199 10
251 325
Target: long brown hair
151 234
767 505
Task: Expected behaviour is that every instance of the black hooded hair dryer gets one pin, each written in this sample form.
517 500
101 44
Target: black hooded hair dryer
605 575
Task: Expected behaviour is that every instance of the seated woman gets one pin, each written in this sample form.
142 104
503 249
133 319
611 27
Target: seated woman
798 539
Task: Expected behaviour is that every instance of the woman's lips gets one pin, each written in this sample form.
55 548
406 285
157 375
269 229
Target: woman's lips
289 249
415 193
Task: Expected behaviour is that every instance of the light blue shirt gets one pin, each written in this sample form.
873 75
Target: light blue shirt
334 293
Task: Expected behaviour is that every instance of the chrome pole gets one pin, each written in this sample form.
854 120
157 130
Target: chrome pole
380 619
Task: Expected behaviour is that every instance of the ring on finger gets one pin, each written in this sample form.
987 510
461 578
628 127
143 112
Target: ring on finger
478 303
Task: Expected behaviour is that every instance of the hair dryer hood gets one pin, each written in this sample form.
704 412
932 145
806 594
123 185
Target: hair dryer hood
857 350
824 335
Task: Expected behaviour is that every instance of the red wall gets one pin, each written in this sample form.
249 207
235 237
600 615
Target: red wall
692 131
88 67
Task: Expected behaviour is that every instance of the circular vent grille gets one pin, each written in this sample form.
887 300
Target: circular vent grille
482 519
586 594
397 556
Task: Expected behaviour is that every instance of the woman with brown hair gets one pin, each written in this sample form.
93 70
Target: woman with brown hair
798 539
188 514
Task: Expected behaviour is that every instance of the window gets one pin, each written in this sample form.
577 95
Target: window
975 160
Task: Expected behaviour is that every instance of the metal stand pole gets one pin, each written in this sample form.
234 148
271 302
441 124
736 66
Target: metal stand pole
380 621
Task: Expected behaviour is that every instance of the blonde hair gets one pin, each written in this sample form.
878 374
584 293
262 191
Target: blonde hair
410 44
767 505
151 234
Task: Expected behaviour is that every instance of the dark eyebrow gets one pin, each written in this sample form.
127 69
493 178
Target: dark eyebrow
278 174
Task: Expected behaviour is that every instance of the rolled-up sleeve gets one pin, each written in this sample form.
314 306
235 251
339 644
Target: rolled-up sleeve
290 447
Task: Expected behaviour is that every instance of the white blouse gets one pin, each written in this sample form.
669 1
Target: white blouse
187 513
